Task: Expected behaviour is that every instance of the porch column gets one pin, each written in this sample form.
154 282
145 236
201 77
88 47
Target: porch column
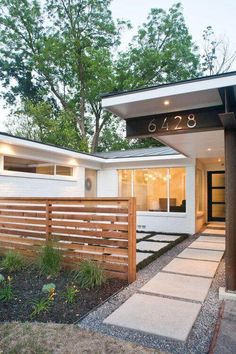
230 165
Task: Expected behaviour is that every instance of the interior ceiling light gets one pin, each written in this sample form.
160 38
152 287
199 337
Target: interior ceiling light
219 160
166 103
209 149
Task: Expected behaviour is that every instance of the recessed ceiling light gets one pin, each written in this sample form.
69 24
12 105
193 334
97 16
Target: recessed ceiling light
209 149
166 103
219 160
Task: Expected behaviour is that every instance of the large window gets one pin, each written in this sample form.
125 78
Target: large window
156 189
32 166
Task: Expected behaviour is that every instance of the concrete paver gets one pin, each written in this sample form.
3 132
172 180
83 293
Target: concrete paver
216 246
150 246
168 238
158 316
141 256
180 286
204 255
213 232
212 239
192 267
141 235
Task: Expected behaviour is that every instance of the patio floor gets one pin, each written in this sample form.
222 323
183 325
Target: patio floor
171 301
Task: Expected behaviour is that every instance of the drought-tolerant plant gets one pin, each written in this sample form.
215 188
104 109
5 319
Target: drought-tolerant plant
2 278
50 260
6 291
89 275
13 261
48 288
71 293
40 306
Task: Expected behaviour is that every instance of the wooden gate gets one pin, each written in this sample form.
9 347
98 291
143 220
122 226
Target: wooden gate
101 229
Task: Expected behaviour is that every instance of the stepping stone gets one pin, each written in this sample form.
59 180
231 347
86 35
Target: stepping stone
211 239
176 285
141 256
192 267
140 235
168 238
213 232
204 255
215 225
156 315
215 246
150 246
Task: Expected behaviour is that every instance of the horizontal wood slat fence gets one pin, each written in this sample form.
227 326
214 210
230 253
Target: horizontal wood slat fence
101 229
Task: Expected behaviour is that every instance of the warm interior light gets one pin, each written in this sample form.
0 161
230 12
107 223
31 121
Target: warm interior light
219 160
166 102
209 149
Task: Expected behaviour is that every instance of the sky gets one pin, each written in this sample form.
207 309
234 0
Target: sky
198 15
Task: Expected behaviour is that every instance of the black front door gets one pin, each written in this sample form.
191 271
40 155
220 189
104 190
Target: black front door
216 196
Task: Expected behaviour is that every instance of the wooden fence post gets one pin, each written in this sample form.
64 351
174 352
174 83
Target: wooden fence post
48 220
132 240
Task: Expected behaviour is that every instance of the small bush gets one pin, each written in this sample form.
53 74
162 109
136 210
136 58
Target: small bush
6 292
48 288
89 275
40 306
71 293
2 278
50 260
13 261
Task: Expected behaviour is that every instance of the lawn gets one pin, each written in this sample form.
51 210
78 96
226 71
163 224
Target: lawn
50 338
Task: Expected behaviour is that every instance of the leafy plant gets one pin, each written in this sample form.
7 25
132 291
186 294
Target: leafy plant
50 260
13 261
6 291
71 293
2 278
48 288
40 306
89 275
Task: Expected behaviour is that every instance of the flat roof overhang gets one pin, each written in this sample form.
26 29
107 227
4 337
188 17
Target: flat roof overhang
203 93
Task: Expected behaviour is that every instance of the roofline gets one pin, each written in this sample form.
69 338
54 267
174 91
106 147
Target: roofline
86 156
176 83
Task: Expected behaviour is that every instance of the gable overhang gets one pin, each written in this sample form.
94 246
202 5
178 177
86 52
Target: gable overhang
203 95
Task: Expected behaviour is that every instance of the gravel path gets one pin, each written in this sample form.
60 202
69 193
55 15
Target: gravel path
200 337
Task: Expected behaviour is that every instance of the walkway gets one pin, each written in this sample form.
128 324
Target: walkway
169 303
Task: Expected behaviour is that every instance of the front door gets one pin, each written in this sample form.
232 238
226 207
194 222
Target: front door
216 196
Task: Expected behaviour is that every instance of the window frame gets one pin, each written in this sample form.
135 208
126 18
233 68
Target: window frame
147 212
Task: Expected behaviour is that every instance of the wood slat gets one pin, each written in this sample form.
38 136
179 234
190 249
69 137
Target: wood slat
22 227
90 217
90 210
22 207
93 241
22 220
92 225
22 233
23 214
104 234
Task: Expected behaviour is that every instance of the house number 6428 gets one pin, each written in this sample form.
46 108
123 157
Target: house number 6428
178 124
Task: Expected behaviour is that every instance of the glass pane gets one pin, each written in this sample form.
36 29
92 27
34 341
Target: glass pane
125 188
150 189
218 180
177 190
218 195
25 165
218 210
64 171
90 183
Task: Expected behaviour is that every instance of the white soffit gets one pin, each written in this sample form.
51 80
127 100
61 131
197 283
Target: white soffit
209 144
191 94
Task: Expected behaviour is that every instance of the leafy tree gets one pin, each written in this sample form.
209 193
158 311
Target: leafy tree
59 53
217 56
161 52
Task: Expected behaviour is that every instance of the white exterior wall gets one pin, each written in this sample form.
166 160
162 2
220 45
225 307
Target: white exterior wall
155 221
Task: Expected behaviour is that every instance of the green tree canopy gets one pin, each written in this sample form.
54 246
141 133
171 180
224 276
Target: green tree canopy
57 57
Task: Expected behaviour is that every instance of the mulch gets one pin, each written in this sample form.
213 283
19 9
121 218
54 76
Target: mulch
27 287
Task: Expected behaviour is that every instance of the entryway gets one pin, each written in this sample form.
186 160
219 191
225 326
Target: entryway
216 195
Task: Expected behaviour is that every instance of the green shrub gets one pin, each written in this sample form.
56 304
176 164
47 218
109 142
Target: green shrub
89 275
13 261
2 278
48 288
71 293
6 291
39 306
50 260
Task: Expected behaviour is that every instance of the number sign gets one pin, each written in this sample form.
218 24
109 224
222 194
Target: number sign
174 123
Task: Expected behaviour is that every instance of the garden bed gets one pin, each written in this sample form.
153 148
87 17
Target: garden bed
27 288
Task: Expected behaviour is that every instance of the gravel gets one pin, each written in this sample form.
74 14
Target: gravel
201 334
